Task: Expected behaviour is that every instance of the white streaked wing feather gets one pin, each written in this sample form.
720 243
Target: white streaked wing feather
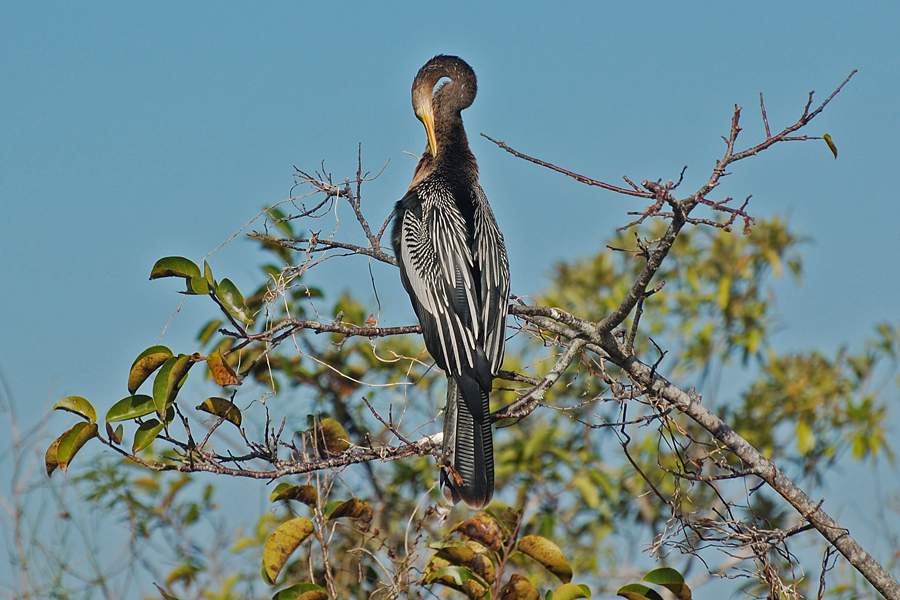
490 255
439 262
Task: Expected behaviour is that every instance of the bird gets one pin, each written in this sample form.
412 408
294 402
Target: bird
453 265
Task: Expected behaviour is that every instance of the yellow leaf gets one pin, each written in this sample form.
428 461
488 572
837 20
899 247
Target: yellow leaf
570 591
331 437
724 295
165 594
354 508
222 407
282 542
519 588
143 366
220 370
588 490
485 529
831 145
806 439
50 460
548 554
78 406
306 494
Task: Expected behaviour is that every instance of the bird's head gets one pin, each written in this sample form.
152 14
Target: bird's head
454 96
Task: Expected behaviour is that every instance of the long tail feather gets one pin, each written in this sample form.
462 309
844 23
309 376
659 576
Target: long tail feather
468 444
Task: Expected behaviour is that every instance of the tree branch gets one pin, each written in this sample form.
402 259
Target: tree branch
526 404
811 511
205 462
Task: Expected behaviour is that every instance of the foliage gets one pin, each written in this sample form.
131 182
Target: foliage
574 491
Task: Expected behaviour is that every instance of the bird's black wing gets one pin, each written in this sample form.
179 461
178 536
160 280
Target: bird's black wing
437 265
489 254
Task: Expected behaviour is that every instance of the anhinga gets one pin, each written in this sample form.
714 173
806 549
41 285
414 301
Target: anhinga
453 265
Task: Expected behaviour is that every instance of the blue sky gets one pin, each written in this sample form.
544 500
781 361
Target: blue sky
134 131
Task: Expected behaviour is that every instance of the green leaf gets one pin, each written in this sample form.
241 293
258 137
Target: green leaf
72 441
207 274
548 554
265 573
278 490
148 431
831 145
636 591
307 494
329 508
130 407
208 331
162 385
302 591
79 406
456 552
670 579
174 266
143 366
280 221
233 302
197 286
282 542
222 407
169 380
588 490
570 591
457 575
354 508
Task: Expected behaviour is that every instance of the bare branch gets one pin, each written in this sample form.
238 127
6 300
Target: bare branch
288 327
317 245
575 176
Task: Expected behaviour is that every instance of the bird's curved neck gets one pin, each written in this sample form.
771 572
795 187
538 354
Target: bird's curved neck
453 144
439 108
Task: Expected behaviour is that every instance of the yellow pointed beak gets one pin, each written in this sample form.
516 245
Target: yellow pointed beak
426 115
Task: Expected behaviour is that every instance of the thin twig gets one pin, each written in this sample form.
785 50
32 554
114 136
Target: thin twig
762 107
575 176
